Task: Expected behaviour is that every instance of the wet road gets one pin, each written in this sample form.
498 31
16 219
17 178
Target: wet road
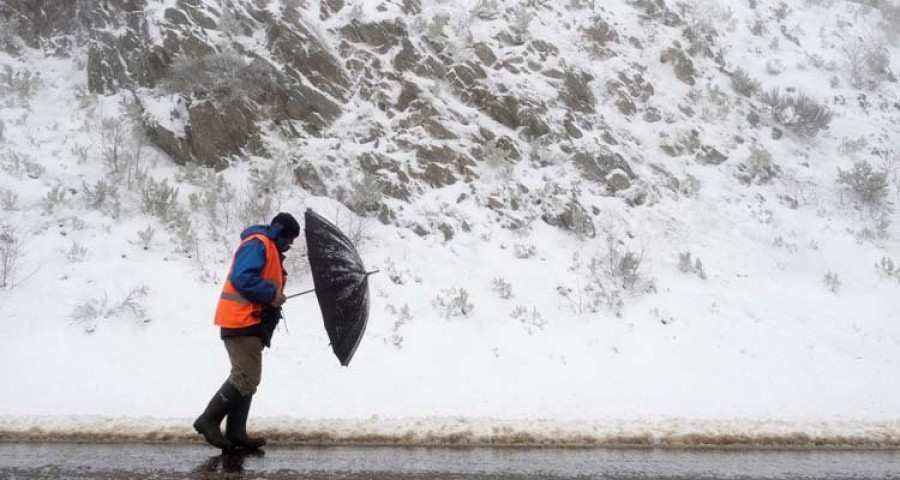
163 462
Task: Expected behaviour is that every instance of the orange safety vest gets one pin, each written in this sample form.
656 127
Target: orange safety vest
235 311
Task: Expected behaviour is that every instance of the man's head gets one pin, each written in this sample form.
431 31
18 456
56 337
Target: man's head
287 229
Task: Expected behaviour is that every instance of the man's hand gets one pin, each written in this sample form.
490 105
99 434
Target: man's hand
279 300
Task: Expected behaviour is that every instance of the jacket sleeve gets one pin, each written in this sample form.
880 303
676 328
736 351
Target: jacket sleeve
246 273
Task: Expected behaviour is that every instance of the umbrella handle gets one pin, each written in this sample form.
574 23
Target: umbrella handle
373 272
301 293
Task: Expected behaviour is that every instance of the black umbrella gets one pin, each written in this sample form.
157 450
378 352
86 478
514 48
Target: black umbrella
341 285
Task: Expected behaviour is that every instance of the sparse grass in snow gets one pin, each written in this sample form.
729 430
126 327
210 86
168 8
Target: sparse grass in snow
453 302
90 312
530 318
11 252
502 287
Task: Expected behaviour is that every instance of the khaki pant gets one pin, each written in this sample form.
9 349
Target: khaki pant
245 353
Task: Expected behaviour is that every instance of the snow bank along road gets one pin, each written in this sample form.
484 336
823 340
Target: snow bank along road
457 431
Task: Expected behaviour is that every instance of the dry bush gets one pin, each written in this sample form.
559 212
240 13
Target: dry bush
868 64
224 77
743 83
866 187
798 112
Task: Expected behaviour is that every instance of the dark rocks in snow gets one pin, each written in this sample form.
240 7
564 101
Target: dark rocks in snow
329 7
307 176
577 93
628 90
710 156
306 58
683 65
596 166
441 165
572 217
381 36
617 181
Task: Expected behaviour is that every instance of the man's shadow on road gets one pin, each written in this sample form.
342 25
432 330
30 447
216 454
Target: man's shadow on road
227 465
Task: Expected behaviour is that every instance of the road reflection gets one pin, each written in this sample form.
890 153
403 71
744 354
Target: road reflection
196 462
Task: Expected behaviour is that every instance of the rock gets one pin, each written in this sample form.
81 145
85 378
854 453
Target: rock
574 218
408 58
596 166
710 156
652 115
628 90
684 67
381 36
600 32
329 7
220 131
442 164
412 7
306 175
572 130
777 133
616 181
447 230
305 58
409 92
485 54
577 94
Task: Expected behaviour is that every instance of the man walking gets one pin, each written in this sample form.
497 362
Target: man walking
248 311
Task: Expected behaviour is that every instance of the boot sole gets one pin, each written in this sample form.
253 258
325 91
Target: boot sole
223 446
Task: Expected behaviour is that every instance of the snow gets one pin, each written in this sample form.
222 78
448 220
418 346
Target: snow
759 350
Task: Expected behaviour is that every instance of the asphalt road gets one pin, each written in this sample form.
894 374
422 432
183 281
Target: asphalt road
163 462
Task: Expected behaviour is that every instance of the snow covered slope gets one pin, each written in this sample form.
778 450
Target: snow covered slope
597 222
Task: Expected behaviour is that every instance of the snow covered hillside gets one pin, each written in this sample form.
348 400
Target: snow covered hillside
636 221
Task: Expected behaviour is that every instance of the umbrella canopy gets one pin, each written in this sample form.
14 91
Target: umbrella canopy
341 285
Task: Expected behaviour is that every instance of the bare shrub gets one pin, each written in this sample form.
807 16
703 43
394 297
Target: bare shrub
88 313
502 287
453 302
832 282
9 40
103 197
701 18
8 199
366 194
11 252
888 269
76 252
851 146
224 77
402 316
866 187
54 198
759 168
798 112
120 152
531 319
868 64
485 9
217 199
604 278
18 87
146 237
524 250
687 265
159 199
19 164
520 25
743 83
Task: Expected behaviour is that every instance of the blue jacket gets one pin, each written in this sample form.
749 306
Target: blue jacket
248 264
